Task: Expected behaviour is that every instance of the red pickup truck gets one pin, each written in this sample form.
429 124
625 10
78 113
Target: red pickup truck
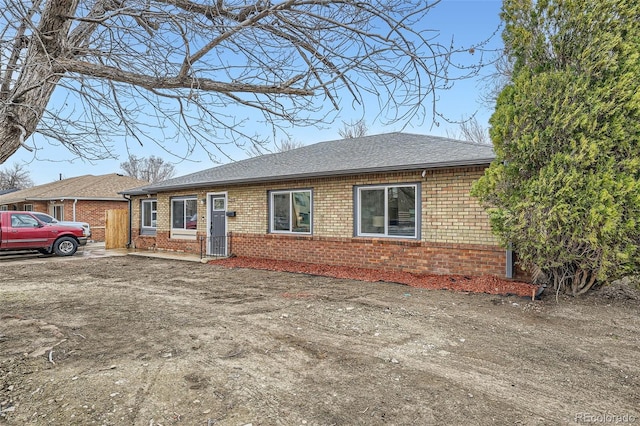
24 231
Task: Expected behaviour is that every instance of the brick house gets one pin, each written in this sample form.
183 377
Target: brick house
82 199
393 201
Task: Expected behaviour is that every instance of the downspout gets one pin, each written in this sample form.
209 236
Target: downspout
130 221
74 209
509 263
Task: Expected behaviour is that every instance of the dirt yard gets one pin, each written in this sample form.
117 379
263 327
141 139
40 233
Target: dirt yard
139 341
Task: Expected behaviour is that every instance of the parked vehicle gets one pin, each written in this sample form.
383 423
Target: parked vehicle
192 223
50 219
24 231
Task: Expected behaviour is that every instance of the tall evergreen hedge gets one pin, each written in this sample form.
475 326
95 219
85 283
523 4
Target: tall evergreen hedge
565 186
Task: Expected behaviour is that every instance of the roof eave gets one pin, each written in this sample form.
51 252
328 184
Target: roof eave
135 192
60 198
63 198
429 166
13 201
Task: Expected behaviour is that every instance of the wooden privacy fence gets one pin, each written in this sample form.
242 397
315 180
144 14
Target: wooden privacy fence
116 229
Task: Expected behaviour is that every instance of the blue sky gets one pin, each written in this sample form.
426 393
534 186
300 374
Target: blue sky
467 21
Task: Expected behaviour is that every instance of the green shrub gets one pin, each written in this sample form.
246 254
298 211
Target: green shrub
565 186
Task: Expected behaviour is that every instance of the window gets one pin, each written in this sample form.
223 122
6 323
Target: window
184 213
28 207
387 210
290 211
4 208
148 212
57 211
23 221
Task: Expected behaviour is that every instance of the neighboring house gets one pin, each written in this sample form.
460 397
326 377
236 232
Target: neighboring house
393 201
82 199
7 191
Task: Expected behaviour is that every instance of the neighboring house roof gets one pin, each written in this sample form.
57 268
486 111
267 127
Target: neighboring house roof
378 153
6 191
87 187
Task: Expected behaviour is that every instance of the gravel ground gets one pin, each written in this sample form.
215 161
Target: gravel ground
140 341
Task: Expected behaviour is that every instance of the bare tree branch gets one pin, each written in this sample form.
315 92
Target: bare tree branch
15 177
152 169
471 130
94 74
496 80
353 129
156 82
282 146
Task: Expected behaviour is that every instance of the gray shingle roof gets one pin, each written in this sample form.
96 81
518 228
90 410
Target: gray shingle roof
378 153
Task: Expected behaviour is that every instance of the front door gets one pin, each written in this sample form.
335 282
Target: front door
218 226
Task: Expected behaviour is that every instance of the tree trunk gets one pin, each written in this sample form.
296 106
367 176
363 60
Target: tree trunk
28 99
9 138
586 283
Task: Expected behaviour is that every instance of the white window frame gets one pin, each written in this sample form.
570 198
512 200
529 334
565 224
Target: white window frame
272 227
53 211
183 233
144 205
386 188
4 208
28 207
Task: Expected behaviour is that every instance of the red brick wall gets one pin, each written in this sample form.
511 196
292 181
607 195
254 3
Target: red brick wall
94 213
90 211
40 206
37 206
383 254
455 234
162 241
143 242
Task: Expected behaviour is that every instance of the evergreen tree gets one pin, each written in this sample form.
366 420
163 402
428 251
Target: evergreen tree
565 186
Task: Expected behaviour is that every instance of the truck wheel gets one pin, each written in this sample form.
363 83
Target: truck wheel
65 246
